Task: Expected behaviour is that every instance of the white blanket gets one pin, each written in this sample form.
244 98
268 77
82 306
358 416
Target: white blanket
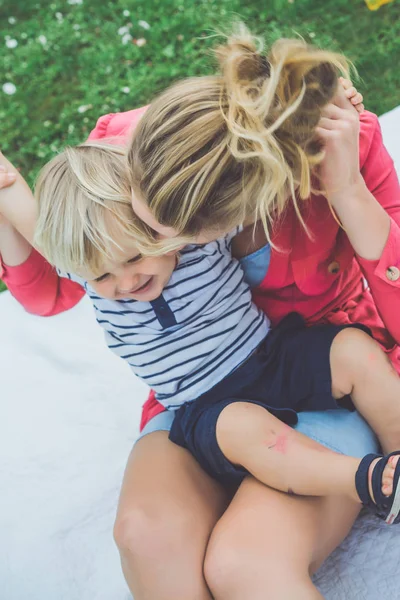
69 416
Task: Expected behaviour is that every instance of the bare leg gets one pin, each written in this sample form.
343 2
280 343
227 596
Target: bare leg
280 457
360 368
284 459
267 544
167 510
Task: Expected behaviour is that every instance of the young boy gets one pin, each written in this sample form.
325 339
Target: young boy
186 325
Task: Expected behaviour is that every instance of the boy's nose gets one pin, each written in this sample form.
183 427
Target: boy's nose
128 282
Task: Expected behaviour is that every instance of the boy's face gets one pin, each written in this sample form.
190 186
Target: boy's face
135 278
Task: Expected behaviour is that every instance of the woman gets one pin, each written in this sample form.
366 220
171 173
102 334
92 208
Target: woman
266 543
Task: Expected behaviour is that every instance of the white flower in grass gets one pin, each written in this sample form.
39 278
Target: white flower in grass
141 42
126 13
47 123
126 38
74 2
84 108
144 24
71 128
9 88
11 43
76 27
123 30
126 90
42 39
59 17
24 35
12 20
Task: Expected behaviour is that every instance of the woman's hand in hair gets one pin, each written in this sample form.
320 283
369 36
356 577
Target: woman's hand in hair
365 221
338 130
352 94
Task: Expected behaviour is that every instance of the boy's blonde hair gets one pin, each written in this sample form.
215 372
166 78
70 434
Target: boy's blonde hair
85 211
217 150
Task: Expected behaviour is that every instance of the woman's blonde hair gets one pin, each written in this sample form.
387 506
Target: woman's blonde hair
214 151
85 211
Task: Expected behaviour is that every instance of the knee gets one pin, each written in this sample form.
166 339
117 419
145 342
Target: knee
140 534
354 350
352 343
230 576
230 567
223 568
233 570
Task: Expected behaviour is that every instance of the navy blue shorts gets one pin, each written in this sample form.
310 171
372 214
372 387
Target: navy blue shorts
288 373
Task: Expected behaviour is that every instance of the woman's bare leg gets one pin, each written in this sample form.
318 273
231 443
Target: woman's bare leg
268 544
167 510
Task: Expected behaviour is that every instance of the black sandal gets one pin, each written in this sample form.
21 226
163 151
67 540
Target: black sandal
385 507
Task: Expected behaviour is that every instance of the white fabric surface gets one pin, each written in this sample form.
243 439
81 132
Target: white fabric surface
69 416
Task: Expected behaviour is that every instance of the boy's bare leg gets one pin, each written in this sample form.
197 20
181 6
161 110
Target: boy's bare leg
280 457
286 460
360 368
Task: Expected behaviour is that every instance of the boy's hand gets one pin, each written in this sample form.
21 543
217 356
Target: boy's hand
3 222
6 179
352 94
17 203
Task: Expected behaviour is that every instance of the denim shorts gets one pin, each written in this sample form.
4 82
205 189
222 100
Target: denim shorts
340 430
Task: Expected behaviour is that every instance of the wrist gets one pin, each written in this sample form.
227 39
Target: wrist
364 220
354 191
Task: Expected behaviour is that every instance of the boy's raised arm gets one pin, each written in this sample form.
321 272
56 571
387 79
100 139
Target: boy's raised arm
17 203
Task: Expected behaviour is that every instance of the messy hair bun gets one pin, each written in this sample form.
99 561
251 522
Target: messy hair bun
213 151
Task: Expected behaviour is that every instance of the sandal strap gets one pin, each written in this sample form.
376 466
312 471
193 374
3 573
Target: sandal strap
362 480
393 515
386 507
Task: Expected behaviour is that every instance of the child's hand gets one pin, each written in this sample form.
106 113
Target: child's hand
7 178
17 203
352 94
3 222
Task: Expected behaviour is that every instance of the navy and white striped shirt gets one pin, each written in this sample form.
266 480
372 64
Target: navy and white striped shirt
199 330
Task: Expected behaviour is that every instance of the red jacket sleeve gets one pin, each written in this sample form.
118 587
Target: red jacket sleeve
379 173
37 286
117 126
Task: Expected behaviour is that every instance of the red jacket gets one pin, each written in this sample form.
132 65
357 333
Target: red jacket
322 278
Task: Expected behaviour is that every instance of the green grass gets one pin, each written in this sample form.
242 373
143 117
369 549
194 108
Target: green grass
82 62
